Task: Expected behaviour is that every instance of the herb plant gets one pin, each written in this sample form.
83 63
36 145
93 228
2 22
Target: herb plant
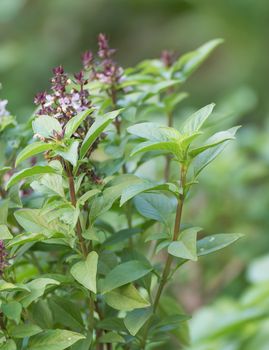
87 245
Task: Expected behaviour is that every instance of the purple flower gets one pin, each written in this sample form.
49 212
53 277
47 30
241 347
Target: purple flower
168 58
87 59
104 50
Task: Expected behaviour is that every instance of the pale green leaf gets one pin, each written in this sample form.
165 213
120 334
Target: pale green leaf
73 124
194 123
85 271
216 242
33 149
4 232
45 125
126 298
29 172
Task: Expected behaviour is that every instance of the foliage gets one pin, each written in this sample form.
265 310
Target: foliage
82 232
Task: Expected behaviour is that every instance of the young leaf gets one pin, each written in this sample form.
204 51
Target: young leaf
216 242
85 271
207 156
154 132
70 153
35 170
45 126
9 345
214 140
185 246
189 62
167 146
125 298
136 319
125 273
32 150
194 123
96 129
58 339
75 122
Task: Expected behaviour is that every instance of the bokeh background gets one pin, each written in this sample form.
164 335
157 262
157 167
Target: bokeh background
36 35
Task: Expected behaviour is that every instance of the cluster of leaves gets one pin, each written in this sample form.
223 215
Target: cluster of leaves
78 221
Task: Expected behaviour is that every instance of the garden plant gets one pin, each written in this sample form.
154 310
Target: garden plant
93 194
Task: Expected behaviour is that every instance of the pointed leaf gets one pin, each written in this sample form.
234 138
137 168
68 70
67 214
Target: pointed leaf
185 246
70 153
75 122
35 170
154 132
96 129
195 121
85 271
125 298
136 319
33 149
167 146
216 242
125 273
58 339
189 62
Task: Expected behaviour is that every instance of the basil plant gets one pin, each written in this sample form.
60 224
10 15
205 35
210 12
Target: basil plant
89 243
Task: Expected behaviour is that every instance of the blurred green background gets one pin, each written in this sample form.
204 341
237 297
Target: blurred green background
36 35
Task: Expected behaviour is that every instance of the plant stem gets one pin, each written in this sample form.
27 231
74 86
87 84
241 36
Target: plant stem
169 259
73 199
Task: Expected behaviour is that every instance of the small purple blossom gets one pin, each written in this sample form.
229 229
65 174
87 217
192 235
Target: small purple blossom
87 59
168 58
104 50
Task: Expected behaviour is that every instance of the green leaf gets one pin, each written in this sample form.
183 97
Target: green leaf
87 195
70 153
11 287
96 129
75 122
167 146
24 238
49 184
35 170
125 273
37 288
24 330
12 310
4 232
9 345
58 339
85 271
33 149
136 319
121 236
185 246
189 62
66 313
216 242
154 132
194 123
111 337
214 140
4 204
126 298
46 125
207 156
155 206
145 186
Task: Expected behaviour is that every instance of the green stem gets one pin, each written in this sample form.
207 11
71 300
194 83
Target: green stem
169 259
